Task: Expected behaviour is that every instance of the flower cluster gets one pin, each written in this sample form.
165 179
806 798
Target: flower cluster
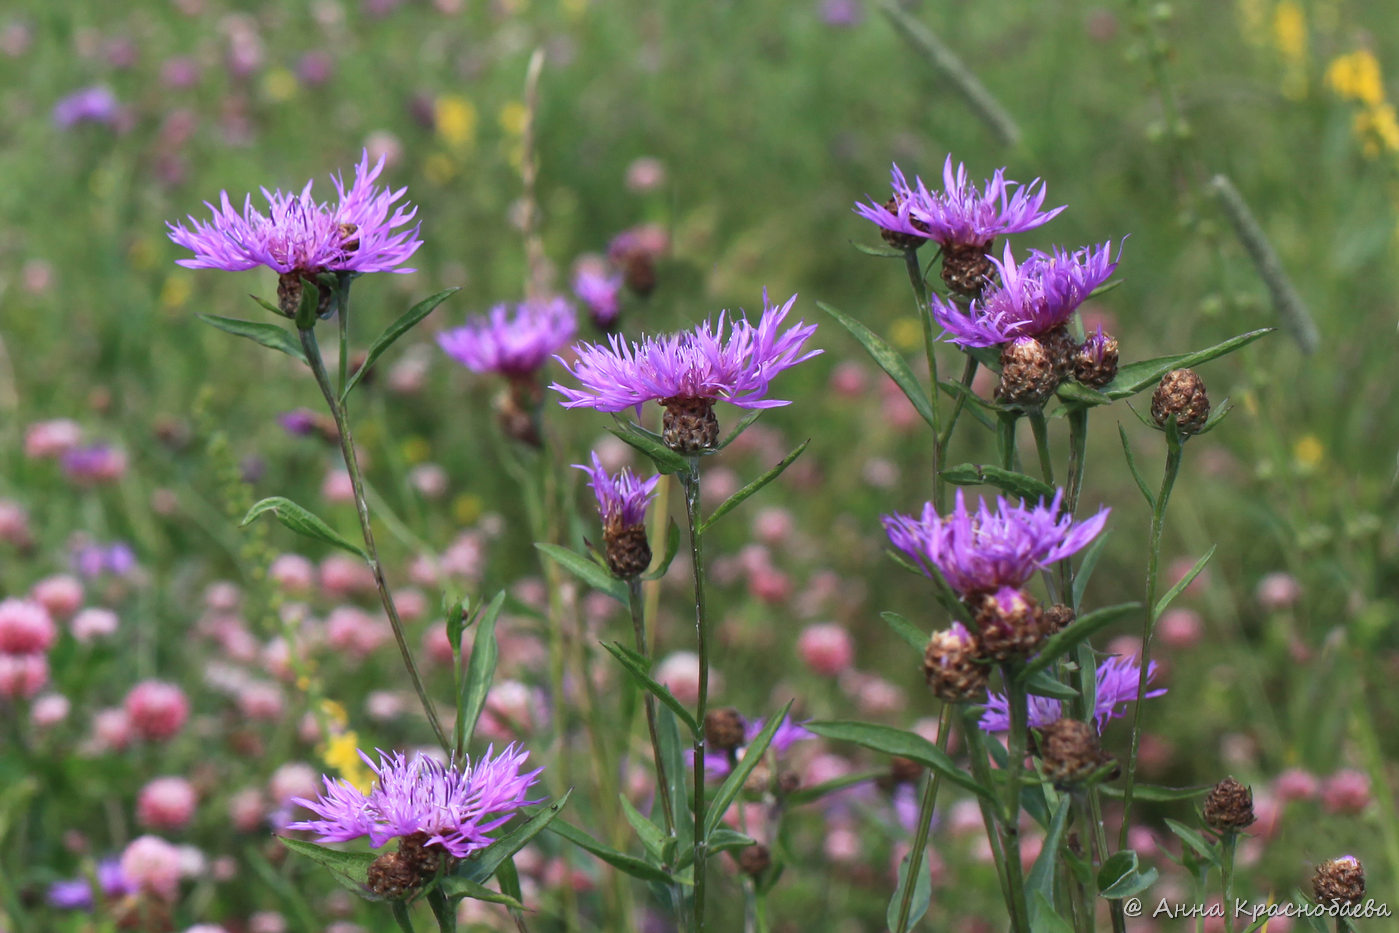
455 807
364 231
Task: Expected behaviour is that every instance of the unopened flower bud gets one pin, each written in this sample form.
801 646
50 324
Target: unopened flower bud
788 782
1341 880
1011 624
897 238
1057 618
754 860
627 550
723 729
965 267
1062 349
951 664
1070 751
1028 374
1229 806
395 875
1181 393
689 425
1095 362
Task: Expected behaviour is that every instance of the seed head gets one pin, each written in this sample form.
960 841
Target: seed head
1229 806
1057 618
1181 393
1341 880
1011 624
1070 751
1028 374
950 663
1095 362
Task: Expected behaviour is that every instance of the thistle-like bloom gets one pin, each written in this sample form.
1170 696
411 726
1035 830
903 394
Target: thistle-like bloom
717 764
515 344
982 552
600 293
959 215
455 807
706 363
1118 679
621 499
364 231
1029 299
96 104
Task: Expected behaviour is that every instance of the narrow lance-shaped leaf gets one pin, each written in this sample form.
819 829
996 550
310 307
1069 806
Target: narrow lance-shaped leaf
350 869
269 335
1087 565
744 424
590 572
1060 643
651 835
891 741
752 756
397 329
480 672
916 638
732 502
1182 583
1122 876
918 905
1132 465
1134 377
1017 484
888 360
301 521
459 888
672 547
619 860
665 459
482 865
639 670
1041 877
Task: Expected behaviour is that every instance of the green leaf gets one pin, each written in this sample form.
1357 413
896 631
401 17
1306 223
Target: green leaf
269 335
1182 583
1122 876
909 745
1135 377
1190 837
723 839
672 547
752 756
1159 793
1072 393
1017 484
350 869
882 253
744 424
640 671
732 502
922 896
888 360
1041 878
1079 629
480 672
590 572
483 864
673 754
1086 566
455 613
665 459
1221 411
979 407
1132 465
651 835
917 639
267 305
1044 918
1043 684
811 794
619 860
459 888
302 522
397 329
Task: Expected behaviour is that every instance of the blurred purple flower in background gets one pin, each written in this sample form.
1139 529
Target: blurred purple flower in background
96 104
1117 677
513 343
716 764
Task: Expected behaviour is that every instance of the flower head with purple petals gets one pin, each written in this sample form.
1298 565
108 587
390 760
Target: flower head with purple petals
982 552
718 764
1118 679
732 361
1029 299
364 231
515 343
600 292
621 499
960 215
455 807
96 104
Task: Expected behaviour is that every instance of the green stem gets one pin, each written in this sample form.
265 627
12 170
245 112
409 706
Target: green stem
925 818
690 479
1174 448
1078 449
1041 432
990 809
347 449
1005 438
400 916
1015 766
638 623
442 909
960 402
1227 845
1082 903
920 294
760 909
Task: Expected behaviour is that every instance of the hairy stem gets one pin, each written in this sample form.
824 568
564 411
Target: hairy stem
925 818
347 449
920 295
1010 828
638 624
690 479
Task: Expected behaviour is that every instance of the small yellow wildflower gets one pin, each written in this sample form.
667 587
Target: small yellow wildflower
466 508
455 119
1290 31
342 754
439 168
513 116
335 712
906 334
1356 76
1308 452
279 85
416 449
1378 129
175 291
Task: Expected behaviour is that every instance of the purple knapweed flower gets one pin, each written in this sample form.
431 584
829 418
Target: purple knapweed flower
960 215
364 231
515 344
600 293
701 364
95 104
1029 299
621 499
455 807
1118 679
93 560
94 463
983 552
717 764
76 893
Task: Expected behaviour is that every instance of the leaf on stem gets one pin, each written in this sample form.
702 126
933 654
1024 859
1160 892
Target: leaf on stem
672 547
639 669
301 521
752 756
590 572
743 425
269 335
732 502
881 252
1187 835
652 837
1086 566
665 459
811 794
397 329
459 888
482 865
1134 377
1182 583
1132 465
1122 876
1043 684
918 905
350 869
917 639
888 360
1041 879
480 671
1017 484
619 860
911 745
1060 643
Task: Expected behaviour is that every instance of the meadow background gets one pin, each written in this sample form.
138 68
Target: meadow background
763 124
